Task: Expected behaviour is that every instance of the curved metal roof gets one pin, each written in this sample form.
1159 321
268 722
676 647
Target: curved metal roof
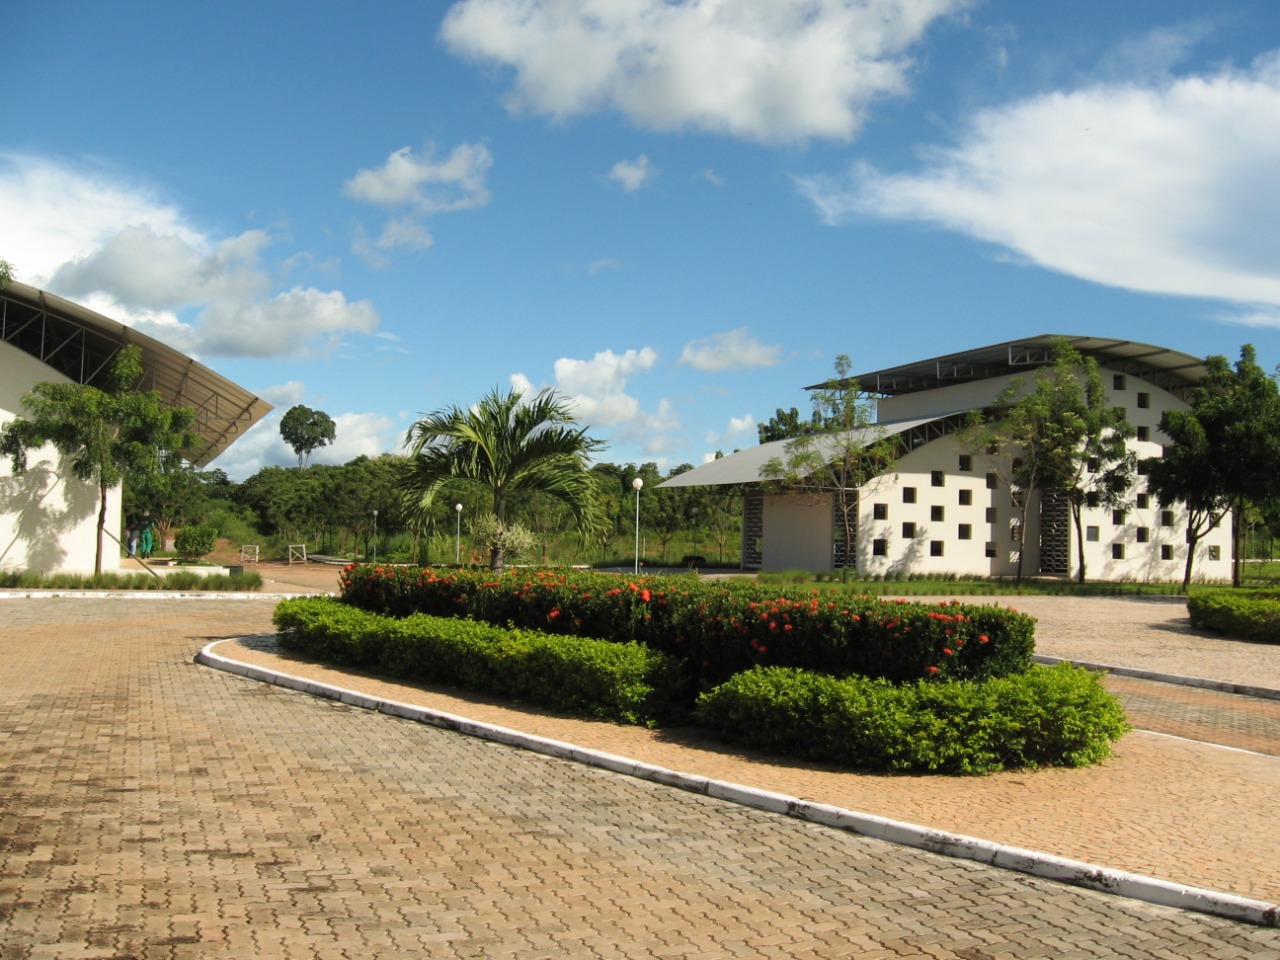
1174 371
80 344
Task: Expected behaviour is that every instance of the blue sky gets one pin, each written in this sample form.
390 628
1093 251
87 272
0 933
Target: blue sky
676 212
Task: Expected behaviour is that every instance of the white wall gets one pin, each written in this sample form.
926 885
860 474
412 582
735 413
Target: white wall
797 533
47 524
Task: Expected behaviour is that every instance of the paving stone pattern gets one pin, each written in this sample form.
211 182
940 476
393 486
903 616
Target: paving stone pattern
151 808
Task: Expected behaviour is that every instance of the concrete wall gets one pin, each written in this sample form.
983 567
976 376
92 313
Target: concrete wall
797 533
48 519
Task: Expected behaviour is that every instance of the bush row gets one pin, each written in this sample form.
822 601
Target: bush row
1252 615
626 683
1047 716
718 628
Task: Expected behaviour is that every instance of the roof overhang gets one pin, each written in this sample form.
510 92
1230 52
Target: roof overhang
1170 369
80 344
748 466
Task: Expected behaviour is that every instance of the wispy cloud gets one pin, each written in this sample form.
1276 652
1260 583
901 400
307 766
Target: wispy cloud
633 174
732 350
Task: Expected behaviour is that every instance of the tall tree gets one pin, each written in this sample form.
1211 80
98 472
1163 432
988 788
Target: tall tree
306 430
504 444
102 433
850 453
1225 450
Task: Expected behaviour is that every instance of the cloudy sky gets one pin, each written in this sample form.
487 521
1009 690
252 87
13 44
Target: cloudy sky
676 212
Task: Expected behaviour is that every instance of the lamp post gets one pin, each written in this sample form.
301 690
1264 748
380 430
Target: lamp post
375 536
636 484
693 515
457 537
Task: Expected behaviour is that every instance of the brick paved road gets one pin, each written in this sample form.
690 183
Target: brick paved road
150 808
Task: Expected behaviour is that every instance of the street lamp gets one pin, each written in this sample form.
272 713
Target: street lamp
457 537
636 484
693 514
375 536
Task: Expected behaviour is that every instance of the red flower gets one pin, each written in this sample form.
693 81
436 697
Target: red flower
983 638
646 596
931 669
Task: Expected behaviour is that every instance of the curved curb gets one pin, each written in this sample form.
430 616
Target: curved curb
1077 873
1222 686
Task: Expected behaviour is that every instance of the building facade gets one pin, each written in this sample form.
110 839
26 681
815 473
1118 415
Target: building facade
48 518
947 509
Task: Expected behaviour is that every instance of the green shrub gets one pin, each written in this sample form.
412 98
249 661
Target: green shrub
1245 615
716 629
620 682
194 542
1046 716
236 582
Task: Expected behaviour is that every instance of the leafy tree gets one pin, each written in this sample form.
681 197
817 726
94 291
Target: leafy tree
104 434
836 463
1224 450
6 273
787 425
306 430
504 444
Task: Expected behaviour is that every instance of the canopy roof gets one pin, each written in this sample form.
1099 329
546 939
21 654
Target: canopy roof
80 344
1174 371
747 466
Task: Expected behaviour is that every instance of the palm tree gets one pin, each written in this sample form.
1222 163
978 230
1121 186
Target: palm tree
502 445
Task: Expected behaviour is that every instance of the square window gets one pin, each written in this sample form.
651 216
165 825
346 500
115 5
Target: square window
1166 551
1117 518
1117 551
990 549
1091 499
966 462
935 548
1144 501
908 531
1143 534
879 548
879 511
1144 401
937 513
1166 518
966 531
1092 465
993 515
966 498
1091 534
1015 532
937 478
1215 552
908 494
1144 433
1117 382
991 481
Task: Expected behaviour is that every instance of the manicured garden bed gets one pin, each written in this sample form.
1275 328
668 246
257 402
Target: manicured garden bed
1244 615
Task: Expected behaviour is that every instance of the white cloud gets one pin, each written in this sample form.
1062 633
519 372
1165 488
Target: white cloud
633 174
1166 188
756 69
738 427
734 350
115 248
425 184
419 187
596 387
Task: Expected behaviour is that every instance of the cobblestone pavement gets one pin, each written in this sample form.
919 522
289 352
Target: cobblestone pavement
151 808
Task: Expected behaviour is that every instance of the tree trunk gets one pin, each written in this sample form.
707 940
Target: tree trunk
102 526
1075 515
1192 539
1236 512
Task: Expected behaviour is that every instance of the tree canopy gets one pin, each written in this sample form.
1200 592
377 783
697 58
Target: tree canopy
504 445
101 433
306 430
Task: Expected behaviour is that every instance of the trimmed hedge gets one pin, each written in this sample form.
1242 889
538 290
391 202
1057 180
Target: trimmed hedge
1246 615
1047 716
717 629
626 683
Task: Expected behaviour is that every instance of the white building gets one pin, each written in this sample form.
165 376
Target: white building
48 519
944 508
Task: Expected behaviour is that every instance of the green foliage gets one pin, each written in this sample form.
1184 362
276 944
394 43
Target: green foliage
504 444
186 582
625 683
1252 615
194 542
6 273
716 628
306 430
1058 716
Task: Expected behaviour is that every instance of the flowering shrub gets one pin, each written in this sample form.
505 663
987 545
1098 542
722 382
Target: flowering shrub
717 628
1046 716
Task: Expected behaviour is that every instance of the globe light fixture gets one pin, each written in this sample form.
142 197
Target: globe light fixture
636 484
457 537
